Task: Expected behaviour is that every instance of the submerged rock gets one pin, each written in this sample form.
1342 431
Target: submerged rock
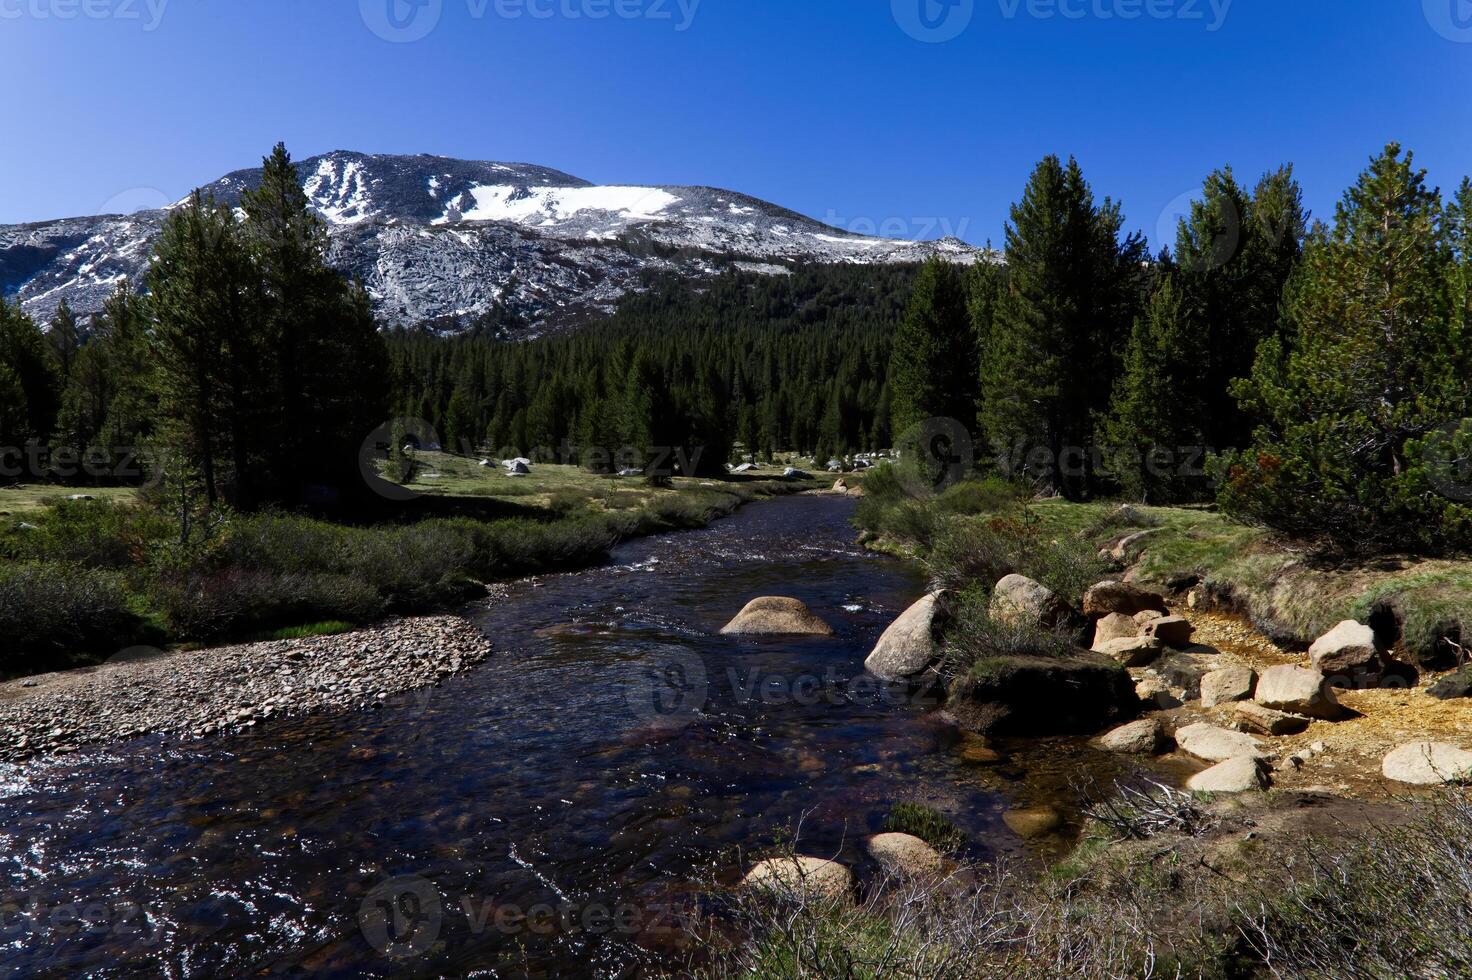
1033 821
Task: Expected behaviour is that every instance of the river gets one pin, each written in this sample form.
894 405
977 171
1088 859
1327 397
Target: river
543 814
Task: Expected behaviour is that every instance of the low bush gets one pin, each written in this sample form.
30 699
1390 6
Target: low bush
53 614
205 605
92 534
989 496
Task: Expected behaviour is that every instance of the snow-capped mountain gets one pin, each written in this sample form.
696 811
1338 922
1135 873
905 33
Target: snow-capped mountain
441 241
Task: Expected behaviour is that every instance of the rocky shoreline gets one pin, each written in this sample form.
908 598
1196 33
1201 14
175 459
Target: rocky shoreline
230 689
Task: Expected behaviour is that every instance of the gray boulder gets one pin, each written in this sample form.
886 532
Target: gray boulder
1115 626
1299 691
1173 631
1242 774
1143 737
1227 684
1217 744
1019 601
777 615
810 877
909 645
1427 764
1253 717
904 855
1349 651
1132 651
1120 597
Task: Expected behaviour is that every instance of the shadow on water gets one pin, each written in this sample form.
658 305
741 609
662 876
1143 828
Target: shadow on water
533 816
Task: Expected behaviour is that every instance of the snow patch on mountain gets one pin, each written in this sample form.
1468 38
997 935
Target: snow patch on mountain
442 241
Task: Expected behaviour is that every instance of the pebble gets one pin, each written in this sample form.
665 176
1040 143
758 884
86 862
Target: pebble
207 692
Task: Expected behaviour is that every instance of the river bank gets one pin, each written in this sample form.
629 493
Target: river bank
224 690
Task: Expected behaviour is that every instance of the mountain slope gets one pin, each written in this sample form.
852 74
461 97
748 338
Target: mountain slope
443 241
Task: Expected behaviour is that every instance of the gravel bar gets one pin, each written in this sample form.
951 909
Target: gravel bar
230 689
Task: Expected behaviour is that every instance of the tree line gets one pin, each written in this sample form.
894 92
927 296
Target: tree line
1308 377
249 370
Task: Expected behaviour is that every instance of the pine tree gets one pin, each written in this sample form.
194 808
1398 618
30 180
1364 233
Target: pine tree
329 371
1155 416
208 347
1370 372
1073 287
930 370
1235 254
65 338
34 396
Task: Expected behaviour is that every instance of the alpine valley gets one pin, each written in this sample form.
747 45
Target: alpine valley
443 242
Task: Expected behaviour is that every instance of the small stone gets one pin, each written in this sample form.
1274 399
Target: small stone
1267 721
1227 684
1143 737
1173 631
1217 744
1239 775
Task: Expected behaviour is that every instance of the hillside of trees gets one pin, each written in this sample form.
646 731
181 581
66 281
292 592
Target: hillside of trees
1313 378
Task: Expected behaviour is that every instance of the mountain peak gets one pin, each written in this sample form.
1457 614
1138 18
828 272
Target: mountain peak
436 239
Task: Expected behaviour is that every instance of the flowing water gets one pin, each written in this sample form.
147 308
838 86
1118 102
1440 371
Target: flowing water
543 814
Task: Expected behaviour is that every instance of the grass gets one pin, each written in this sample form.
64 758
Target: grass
919 820
85 578
1290 595
21 500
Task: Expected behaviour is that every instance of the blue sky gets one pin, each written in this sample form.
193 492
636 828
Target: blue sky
852 111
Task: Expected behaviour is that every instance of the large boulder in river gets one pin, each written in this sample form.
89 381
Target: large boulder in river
809 877
909 646
777 616
1349 651
1122 598
1019 601
1043 694
1132 651
1299 691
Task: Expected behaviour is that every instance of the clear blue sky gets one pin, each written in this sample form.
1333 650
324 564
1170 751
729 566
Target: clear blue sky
826 106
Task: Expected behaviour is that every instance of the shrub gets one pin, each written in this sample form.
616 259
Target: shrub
990 496
204 605
92 533
51 613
